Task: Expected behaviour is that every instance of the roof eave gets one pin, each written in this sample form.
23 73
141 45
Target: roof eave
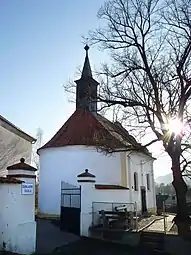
17 130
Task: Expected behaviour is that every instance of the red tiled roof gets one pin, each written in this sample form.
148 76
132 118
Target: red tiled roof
10 180
21 166
109 186
84 128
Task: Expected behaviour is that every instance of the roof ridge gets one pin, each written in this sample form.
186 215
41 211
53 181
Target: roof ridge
17 128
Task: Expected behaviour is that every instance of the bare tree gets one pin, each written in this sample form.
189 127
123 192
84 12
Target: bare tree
150 46
37 145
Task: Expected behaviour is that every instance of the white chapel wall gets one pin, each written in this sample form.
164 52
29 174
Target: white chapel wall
64 164
143 165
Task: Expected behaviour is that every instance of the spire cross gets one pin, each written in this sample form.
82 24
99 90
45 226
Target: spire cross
86 47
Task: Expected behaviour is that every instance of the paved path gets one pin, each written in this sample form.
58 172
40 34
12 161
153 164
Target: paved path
158 225
95 247
49 237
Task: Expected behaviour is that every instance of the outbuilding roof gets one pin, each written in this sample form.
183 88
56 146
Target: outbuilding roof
12 128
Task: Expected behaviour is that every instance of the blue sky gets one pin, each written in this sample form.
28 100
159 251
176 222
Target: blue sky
41 48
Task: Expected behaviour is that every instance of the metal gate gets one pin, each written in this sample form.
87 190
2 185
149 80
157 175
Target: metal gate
70 208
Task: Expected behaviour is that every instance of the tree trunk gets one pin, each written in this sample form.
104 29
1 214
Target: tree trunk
182 218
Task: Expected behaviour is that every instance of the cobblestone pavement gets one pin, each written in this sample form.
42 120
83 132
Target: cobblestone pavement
158 225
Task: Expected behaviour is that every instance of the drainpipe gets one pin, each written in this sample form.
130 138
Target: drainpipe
130 180
142 181
153 181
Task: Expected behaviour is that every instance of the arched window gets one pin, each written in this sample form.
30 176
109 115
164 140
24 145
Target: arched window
136 181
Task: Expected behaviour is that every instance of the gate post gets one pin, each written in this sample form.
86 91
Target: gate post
19 218
87 183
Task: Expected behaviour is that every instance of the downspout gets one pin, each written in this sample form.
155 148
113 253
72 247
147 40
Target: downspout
142 182
153 181
129 177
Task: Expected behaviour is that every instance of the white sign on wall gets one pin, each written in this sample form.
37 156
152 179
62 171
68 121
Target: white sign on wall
27 189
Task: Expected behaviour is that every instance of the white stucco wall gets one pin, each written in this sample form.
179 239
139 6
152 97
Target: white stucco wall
17 223
142 165
30 199
64 164
12 149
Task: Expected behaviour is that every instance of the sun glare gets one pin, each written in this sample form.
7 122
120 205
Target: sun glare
175 126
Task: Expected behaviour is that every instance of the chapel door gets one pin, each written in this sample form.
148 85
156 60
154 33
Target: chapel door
143 200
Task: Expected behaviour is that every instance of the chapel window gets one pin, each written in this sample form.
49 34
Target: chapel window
148 181
136 181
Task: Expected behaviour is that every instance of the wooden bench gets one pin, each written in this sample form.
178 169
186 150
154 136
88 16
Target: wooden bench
110 217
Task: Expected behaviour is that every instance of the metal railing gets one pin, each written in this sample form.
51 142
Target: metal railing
109 206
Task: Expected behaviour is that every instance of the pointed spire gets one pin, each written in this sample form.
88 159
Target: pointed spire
86 89
86 72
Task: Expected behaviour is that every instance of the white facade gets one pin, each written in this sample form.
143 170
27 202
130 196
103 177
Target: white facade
142 165
17 216
65 163
98 200
12 147
29 199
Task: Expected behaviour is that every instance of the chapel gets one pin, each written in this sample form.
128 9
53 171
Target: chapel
87 140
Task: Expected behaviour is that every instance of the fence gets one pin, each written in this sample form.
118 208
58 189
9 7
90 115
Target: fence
108 206
168 209
70 195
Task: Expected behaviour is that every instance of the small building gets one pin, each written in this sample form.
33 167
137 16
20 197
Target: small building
14 144
90 141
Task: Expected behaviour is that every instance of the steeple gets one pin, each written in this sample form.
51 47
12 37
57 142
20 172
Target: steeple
86 89
86 72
